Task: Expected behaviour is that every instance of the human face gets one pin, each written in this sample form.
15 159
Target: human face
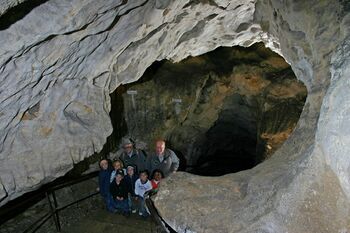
157 176
127 148
130 171
160 147
117 166
118 178
143 177
104 164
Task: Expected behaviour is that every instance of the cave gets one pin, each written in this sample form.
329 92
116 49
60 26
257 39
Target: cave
222 112
77 76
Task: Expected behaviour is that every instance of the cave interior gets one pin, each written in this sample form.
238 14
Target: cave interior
222 112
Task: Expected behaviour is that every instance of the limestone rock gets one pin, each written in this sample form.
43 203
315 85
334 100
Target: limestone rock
304 186
73 53
60 62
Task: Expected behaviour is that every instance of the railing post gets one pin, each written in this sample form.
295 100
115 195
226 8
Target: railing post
54 212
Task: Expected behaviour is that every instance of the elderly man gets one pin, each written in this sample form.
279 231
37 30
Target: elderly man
132 156
163 159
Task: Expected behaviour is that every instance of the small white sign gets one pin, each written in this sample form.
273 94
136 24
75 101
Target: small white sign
177 100
131 92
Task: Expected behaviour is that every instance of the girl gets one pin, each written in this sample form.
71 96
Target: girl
117 165
157 176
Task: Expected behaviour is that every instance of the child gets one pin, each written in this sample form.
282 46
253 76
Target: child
130 180
117 165
142 185
119 193
103 181
157 177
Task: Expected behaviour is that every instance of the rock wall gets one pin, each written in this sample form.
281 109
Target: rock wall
59 63
64 59
304 186
234 102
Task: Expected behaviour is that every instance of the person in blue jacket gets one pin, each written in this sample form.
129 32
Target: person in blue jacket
104 184
130 180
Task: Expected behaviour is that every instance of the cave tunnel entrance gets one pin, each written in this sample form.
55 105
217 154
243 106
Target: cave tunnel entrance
222 112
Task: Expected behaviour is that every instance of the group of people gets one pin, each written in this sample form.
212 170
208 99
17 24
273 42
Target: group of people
124 182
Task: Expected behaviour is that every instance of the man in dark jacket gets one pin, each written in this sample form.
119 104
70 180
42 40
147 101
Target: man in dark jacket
132 156
119 193
163 159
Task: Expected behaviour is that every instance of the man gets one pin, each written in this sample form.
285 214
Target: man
132 157
163 159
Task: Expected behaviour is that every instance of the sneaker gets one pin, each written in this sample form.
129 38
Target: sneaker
140 214
133 211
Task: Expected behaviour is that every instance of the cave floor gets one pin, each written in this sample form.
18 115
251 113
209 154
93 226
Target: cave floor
102 221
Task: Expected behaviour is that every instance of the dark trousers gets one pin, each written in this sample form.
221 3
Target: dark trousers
122 206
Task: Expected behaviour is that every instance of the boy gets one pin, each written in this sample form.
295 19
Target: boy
130 180
142 185
119 193
103 182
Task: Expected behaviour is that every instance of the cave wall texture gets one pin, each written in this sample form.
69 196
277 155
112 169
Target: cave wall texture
60 62
231 103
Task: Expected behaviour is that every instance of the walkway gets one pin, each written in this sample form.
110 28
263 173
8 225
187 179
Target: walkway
102 221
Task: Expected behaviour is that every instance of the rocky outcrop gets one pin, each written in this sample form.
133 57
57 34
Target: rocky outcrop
59 63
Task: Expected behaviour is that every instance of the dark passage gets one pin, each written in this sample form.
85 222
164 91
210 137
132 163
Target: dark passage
230 144
223 112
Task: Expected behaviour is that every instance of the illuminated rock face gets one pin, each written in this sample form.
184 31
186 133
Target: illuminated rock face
59 63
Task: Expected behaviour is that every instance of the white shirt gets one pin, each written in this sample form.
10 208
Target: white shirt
140 188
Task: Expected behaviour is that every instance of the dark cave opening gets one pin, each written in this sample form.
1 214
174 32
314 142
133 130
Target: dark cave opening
222 112
230 144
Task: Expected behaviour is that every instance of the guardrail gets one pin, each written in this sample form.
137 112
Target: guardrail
50 195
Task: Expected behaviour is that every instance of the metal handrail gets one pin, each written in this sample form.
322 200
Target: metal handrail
49 192
156 216
55 209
